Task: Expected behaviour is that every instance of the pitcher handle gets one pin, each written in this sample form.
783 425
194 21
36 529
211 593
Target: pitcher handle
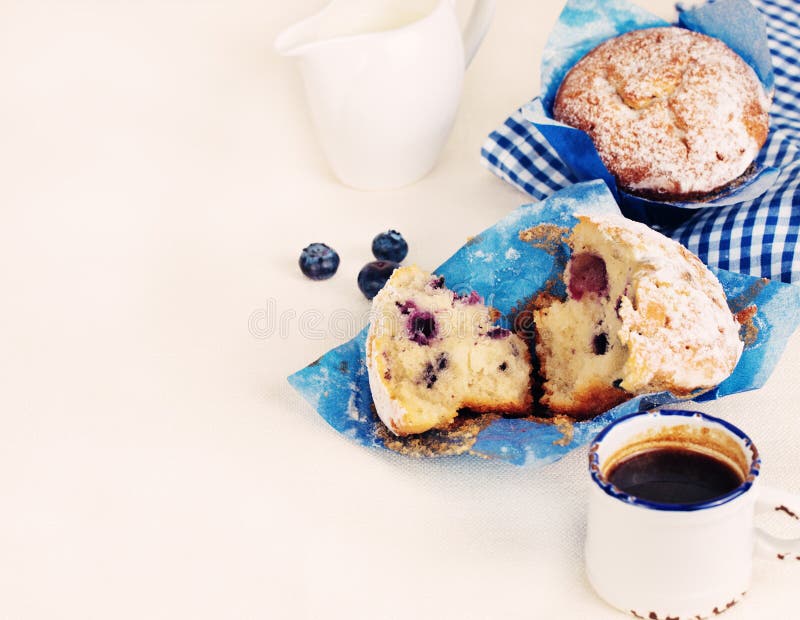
476 28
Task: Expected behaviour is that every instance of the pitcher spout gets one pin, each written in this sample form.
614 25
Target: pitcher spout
298 37
338 19
347 20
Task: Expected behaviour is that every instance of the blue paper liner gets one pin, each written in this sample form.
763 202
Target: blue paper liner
508 272
582 26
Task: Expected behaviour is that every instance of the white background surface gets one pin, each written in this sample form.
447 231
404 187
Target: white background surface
158 178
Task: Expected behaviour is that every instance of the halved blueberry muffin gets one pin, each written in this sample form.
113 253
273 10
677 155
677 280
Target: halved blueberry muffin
643 315
431 352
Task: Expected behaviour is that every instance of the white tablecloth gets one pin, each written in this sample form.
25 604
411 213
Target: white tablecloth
159 179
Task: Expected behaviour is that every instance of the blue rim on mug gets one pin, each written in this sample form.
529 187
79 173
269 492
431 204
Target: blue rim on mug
615 492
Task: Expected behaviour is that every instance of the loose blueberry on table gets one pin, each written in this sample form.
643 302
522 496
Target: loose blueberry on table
318 261
390 246
374 275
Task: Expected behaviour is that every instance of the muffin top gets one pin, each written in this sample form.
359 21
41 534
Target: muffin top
674 114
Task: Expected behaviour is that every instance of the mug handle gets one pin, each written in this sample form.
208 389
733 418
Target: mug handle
768 546
476 27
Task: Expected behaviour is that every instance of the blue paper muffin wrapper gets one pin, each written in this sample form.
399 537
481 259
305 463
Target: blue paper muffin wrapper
508 272
582 26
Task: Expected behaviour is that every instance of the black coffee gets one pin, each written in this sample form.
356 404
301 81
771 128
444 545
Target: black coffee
674 476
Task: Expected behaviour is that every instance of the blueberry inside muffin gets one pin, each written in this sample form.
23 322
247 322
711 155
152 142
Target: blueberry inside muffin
432 352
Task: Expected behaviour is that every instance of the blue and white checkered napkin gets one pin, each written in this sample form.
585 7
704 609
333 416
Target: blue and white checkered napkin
758 237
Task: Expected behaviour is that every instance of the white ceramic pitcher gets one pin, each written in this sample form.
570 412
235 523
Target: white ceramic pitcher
383 80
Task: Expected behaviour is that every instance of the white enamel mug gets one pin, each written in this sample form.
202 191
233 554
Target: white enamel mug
678 561
383 81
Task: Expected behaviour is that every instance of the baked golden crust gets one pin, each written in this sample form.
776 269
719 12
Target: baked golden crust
674 114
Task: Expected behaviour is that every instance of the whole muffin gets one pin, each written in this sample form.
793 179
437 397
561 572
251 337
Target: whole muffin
643 315
674 114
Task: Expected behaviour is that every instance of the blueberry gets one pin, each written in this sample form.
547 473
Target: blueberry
406 307
318 261
374 275
471 299
437 283
390 245
429 374
587 274
498 333
600 344
422 327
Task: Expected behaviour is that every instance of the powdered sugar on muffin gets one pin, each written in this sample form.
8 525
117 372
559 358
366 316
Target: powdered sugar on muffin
672 113
431 352
642 315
